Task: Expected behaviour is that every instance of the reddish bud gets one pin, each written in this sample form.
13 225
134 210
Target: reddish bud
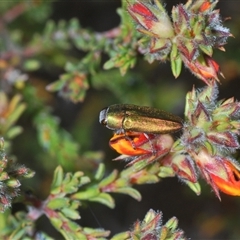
203 67
224 139
153 19
231 185
205 6
221 173
147 17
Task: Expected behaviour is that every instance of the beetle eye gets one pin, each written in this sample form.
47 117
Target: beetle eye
103 117
104 122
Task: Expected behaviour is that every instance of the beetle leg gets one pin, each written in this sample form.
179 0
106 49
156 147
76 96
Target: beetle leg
130 140
154 152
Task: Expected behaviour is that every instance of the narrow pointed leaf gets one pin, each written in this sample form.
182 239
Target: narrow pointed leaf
58 203
176 61
70 213
100 172
88 194
129 191
109 179
57 178
105 199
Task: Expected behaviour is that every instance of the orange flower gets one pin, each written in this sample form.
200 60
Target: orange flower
204 67
131 143
136 146
221 173
230 186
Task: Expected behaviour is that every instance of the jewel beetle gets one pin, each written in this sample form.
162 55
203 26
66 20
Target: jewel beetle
129 117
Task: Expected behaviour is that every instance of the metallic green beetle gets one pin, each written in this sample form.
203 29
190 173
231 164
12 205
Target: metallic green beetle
129 117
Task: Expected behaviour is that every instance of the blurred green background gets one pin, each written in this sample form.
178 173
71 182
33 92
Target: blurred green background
201 217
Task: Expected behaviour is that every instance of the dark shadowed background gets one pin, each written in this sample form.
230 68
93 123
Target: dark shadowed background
201 217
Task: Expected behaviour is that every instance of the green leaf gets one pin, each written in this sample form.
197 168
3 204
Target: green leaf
72 85
166 172
100 172
194 186
96 233
129 191
15 115
82 236
2 146
3 176
57 180
56 222
18 234
58 203
67 178
55 86
70 67
13 183
70 213
121 236
13 132
84 180
176 61
109 64
206 49
149 178
105 199
31 65
72 183
121 182
109 179
87 194
176 66
58 142
172 223
74 227
164 234
30 173
177 146
74 204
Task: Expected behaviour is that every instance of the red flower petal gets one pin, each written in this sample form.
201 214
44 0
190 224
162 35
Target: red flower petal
225 139
141 14
206 69
221 173
232 185
205 6
142 10
135 146
129 143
